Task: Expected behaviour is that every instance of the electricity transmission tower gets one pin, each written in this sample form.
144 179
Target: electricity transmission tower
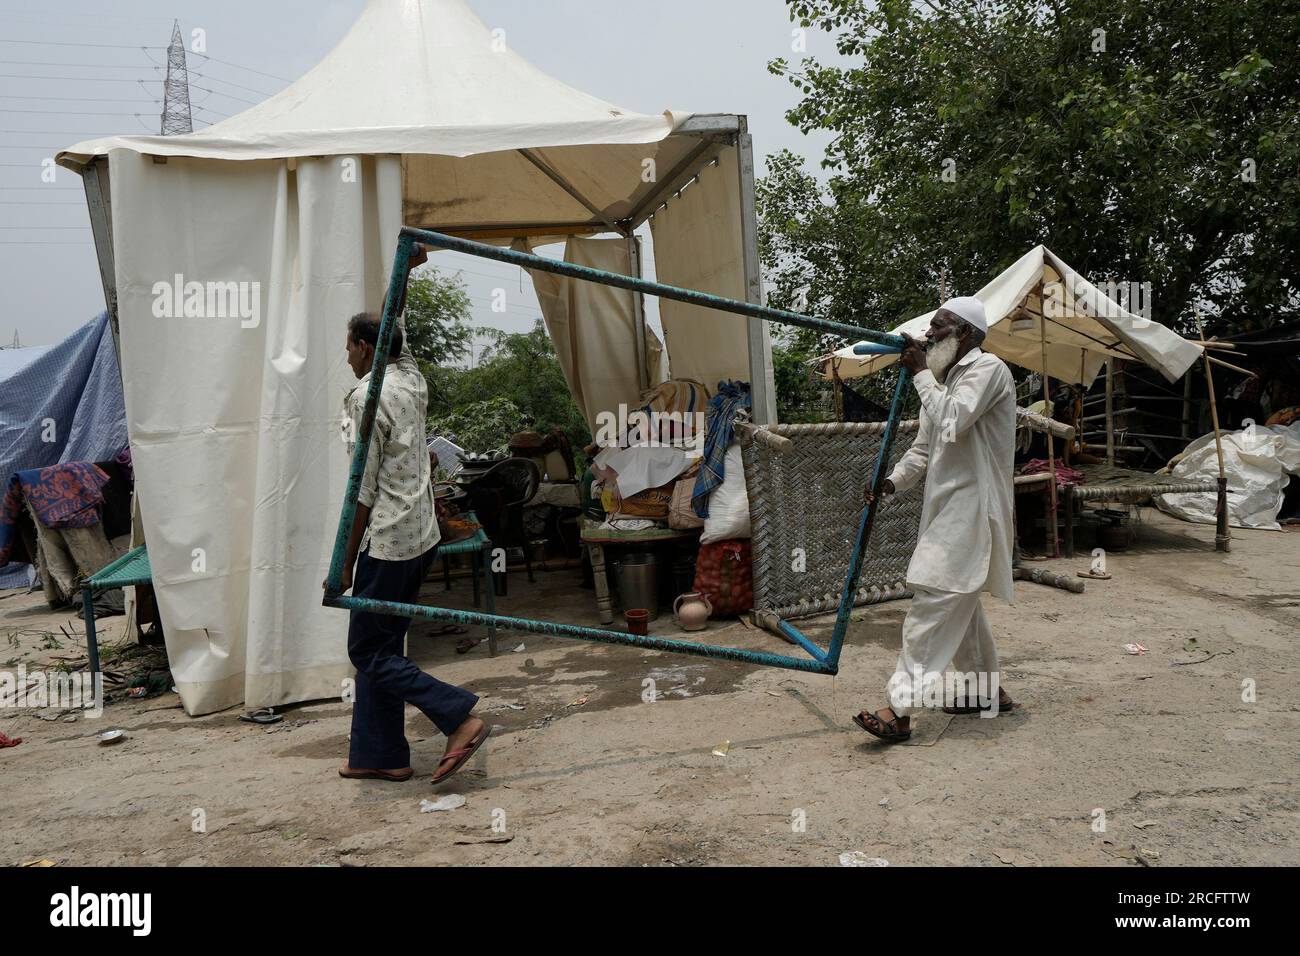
176 116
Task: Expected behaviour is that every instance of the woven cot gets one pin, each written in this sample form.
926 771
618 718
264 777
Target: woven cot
805 507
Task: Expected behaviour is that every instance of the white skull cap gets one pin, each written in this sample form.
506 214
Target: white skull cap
969 308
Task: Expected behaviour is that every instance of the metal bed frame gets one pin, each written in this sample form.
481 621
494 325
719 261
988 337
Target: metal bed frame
819 660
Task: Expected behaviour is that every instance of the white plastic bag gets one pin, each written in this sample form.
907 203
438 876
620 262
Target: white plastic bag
728 503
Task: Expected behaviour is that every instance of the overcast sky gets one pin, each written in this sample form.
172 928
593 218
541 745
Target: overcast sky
71 71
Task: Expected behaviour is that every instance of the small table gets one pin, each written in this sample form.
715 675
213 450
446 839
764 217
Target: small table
479 547
595 537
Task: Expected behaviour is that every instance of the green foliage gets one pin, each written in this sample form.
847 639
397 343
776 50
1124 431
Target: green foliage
1132 163
436 321
799 398
483 426
516 385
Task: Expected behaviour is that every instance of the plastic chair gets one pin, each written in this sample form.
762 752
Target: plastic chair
498 498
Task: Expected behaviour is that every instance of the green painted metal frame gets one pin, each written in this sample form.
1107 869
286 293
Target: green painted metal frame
819 661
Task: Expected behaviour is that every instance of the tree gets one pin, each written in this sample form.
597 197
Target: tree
521 370
436 322
1142 140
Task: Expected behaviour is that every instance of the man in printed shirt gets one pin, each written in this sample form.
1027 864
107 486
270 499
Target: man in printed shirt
393 543
964 447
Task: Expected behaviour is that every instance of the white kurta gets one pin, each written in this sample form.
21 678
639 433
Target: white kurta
965 447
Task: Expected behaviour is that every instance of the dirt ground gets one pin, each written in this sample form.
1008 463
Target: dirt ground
1185 770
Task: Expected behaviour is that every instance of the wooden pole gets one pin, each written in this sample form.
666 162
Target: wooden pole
1187 408
1222 536
1053 544
1110 412
1236 368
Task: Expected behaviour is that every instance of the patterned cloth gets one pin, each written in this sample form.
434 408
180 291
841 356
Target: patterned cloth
721 429
1065 475
397 484
61 496
59 403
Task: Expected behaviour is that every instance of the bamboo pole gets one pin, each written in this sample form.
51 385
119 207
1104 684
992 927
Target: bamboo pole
1110 412
1236 368
1222 536
1187 407
1053 545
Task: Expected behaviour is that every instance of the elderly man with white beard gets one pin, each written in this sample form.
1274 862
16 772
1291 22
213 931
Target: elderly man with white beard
964 448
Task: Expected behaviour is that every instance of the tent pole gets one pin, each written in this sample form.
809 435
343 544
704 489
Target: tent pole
1053 545
571 190
638 314
762 385
1222 536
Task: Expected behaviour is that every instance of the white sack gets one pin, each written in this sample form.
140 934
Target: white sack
728 503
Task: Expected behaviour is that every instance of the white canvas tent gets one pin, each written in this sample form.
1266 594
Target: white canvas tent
1040 298
232 257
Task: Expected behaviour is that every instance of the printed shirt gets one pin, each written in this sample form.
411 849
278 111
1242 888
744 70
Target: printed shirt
396 484
965 447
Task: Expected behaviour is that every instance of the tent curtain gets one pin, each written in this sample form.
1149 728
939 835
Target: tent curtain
235 420
697 245
593 326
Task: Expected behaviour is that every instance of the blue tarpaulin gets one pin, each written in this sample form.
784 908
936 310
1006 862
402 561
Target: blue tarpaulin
60 403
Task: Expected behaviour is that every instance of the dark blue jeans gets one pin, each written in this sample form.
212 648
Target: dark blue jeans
387 680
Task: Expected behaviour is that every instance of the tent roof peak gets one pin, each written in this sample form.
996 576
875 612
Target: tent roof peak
410 76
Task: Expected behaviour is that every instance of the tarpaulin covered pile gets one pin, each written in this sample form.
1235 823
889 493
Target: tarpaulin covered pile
61 403
1258 460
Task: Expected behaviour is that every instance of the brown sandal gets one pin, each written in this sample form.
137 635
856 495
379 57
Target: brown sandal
886 730
357 773
461 755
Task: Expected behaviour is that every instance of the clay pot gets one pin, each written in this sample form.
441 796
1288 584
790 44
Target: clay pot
638 620
692 611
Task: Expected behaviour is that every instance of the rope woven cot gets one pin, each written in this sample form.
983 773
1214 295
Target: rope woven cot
803 509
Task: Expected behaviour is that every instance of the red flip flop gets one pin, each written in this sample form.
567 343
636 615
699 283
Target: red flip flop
461 755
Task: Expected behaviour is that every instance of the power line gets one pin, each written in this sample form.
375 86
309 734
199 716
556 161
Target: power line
66 112
228 96
103 66
79 99
52 132
92 79
217 79
247 68
109 46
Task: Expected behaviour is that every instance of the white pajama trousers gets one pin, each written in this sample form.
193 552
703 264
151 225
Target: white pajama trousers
944 629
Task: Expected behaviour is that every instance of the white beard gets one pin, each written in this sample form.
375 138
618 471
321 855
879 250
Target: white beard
940 357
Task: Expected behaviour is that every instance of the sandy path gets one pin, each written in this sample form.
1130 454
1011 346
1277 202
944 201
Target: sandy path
1151 740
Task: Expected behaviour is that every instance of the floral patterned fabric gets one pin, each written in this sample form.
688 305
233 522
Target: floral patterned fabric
60 496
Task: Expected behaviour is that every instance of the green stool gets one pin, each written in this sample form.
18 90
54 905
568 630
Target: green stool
130 570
